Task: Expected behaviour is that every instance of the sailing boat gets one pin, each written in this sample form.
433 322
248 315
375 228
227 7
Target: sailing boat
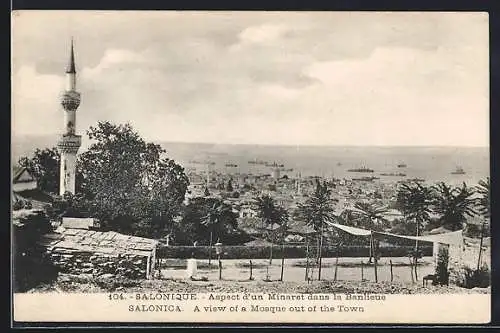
458 171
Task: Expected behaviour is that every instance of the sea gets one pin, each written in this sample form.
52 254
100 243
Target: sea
432 164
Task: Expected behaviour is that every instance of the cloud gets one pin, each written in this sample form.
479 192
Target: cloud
35 98
339 78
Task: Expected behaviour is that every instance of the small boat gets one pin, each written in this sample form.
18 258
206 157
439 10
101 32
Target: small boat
458 171
231 165
402 165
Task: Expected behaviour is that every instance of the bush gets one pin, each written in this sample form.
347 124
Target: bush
442 274
291 251
474 278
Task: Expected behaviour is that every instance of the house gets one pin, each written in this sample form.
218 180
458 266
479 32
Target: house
23 180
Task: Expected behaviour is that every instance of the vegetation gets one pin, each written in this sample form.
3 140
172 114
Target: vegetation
453 204
271 215
44 166
316 211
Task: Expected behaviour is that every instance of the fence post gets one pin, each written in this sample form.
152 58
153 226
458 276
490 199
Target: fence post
336 268
390 262
411 270
251 268
220 269
362 272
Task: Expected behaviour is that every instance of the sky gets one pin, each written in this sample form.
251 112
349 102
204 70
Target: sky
308 78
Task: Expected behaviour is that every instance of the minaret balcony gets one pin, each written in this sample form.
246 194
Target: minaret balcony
70 100
69 143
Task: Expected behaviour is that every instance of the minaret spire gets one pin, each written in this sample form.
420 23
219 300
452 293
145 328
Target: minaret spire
71 69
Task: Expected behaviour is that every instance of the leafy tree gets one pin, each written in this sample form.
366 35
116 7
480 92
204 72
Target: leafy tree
131 185
453 204
44 166
316 211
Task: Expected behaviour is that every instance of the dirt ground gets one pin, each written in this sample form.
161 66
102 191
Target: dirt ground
265 278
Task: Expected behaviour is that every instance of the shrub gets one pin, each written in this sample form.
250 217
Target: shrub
442 274
473 278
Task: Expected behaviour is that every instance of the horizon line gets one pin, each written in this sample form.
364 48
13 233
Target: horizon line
287 144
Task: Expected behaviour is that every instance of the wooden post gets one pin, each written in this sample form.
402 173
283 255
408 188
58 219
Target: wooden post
416 267
411 271
480 246
210 252
374 255
320 250
282 259
307 259
336 267
220 269
362 270
392 276
271 255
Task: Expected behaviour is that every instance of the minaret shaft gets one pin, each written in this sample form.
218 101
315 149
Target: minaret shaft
69 142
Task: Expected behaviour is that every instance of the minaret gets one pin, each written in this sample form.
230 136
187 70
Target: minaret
69 143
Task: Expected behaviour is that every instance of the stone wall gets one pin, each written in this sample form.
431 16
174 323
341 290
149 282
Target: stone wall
79 262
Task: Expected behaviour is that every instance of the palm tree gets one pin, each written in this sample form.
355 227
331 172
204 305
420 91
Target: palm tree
483 205
318 209
370 215
454 204
271 215
414 201
214 221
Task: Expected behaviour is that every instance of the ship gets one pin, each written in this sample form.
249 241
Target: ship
256 161
392 174
365 179
275 165
458 171
231 165
362 169
402 165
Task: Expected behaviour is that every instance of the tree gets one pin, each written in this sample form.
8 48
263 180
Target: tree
219 216
414 201
453 204
44 166
133 188
371 216
316 211
271 215
205 218
229 187
484 206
